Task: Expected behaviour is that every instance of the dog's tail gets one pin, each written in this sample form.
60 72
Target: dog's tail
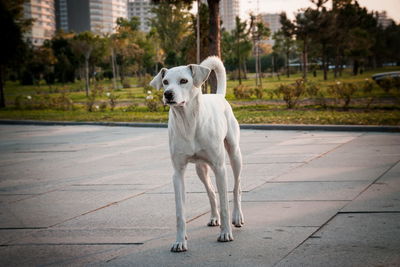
214 63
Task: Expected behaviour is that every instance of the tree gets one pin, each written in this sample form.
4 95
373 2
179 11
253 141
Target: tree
284 39
172 24
242 44
83 45
304 28
12 26
259 32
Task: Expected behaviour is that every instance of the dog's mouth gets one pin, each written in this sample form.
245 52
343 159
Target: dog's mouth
174 103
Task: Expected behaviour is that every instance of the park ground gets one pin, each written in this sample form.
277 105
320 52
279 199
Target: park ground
375 107
92 195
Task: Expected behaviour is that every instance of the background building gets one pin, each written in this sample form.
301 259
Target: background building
142 10
383 19
44 25
272 21
229 10
98 16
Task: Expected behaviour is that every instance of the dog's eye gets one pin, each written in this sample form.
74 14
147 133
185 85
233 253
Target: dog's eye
165 82
183 81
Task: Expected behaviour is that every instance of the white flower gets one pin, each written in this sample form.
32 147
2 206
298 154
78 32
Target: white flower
29 97
149 97
108 94
338 83
149 92
97 107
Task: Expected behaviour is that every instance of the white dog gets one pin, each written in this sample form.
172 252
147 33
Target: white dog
200 128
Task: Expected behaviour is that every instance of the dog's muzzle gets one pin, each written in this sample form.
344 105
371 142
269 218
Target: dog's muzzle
169 96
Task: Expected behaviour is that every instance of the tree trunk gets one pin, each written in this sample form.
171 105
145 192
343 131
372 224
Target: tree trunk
324 62
305 63
355 67
113 69
287 64
87 76
2 99
214 38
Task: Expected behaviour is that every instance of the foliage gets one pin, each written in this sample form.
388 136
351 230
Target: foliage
172 24
291 93
112 99
242 92
315 92
343 91
38 101
151 102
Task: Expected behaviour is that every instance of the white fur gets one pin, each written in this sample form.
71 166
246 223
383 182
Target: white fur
201 127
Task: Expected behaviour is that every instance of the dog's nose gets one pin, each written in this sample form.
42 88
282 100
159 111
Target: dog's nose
168 95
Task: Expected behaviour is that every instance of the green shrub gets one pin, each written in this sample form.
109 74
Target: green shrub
343 92
314 91
143 81
259 92
112 99
242 92
291 93
151 102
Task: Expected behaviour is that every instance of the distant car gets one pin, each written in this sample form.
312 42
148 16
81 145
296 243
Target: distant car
379 76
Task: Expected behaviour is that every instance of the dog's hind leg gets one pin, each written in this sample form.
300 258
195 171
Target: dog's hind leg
180 194
235 157
202 170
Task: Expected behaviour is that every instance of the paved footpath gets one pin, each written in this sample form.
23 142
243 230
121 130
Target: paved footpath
94 195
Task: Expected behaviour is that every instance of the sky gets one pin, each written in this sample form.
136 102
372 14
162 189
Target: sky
392 7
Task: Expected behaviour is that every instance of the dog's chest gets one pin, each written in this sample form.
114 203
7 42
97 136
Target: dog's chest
192 150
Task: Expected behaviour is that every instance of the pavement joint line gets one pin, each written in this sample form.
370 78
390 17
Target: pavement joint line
290 127
73 244
370 212
310 236
106 206
297 200
374 182
22 228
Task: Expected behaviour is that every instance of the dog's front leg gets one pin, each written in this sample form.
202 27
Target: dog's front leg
179 187
221 180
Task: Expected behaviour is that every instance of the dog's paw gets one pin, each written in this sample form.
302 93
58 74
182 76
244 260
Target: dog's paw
179 247
225 237
213 222
237 219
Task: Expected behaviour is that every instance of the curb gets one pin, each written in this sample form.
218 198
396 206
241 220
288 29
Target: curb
280 127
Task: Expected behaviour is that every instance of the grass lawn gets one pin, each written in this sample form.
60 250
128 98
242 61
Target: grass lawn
269 109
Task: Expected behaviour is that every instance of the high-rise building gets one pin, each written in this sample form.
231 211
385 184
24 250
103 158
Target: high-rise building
44 21
229 10
142 10
272 21
98 16
383 19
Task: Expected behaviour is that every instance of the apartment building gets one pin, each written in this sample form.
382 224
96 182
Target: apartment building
44 20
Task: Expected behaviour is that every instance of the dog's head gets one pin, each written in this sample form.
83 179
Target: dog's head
181 84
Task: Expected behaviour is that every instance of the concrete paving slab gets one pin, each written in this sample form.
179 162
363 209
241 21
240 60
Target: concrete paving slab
254 245
277 191
147 210
56 207
382 196
55 255
98 236
291 213
314 172
351 240
50 173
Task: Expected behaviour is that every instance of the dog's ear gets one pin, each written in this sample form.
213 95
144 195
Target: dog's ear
199 74
157 80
